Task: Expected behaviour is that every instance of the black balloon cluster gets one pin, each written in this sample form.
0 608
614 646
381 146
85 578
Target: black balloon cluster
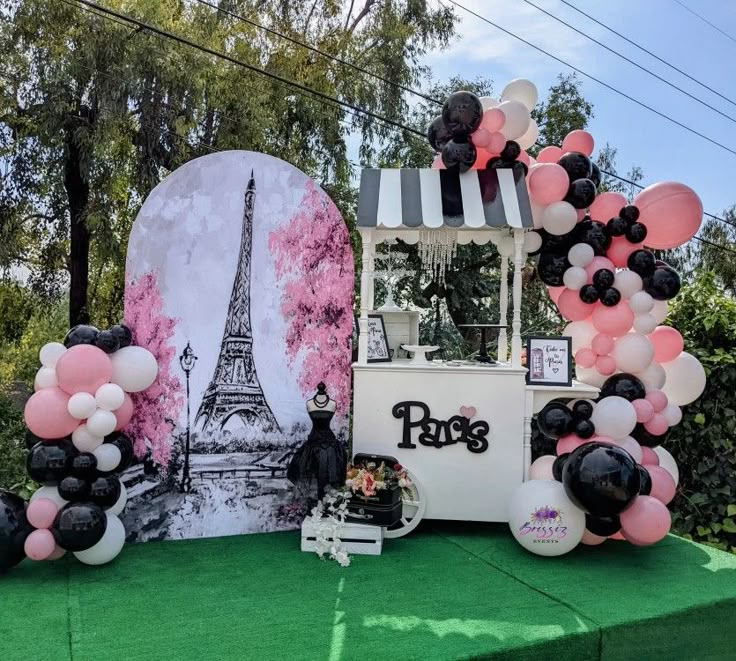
557 420
625 224
109 341
585 177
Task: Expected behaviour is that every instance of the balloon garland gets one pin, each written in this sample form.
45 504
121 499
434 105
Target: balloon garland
75 417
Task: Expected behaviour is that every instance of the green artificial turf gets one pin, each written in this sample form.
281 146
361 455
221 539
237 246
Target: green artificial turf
444 592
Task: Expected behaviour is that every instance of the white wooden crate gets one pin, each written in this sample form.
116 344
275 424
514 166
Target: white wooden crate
356 538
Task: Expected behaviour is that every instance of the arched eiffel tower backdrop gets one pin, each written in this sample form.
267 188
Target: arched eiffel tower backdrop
234 389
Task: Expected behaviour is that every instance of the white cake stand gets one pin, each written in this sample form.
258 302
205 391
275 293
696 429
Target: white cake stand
420 351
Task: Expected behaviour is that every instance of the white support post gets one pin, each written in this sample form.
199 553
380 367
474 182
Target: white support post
516 298
372 272
366 276
503 343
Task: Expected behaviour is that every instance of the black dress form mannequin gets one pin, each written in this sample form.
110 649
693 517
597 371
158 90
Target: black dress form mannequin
323 456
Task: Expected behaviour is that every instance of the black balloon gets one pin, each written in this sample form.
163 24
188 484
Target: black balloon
616 226
645 438
74 489
636 232
595 175
623 385
84 466
107 342
601 479
594 234
588 294
554 420
496 162
663 284
641 262
14 528
603 279
584 428
50 461
105 491
645 478
582 409
125 445
551 268
603 526
32 439
124 334
80 334
518 166
558 465
511 151
581 193
611 297
437 134
630 213
459 155
462 113
79 526
577 165
558 244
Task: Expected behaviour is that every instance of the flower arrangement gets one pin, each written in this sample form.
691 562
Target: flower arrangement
369 478
328 519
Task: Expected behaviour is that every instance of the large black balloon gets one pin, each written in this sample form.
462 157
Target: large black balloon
595 175
558 465
603 526
81 334
106 341
74 489
125 445
663 284
437 134
623 385
641 262
79 526
601 479
14 528
459 155
124 334
554 420
594 234
462 113
105 491
559 244
581 193
84 466
645 438
551 268
50 461
645 478
577 165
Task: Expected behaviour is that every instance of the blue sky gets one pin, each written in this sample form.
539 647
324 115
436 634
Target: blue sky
663 150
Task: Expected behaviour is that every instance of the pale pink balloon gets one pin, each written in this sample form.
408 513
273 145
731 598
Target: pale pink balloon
571 307
616 320
620 249
46 414
602 439
57 554
631 445
579 140
606 365
437 163
523 158
657 425
42 512
672 213
493 120
549 154
657 399
618 536
585 357
606 206
644 410
40 544
124 413
597 264
548 183
554 293
496 143
647 520
649 457
83 368
481 137
569 443
663 484
603 344
667 343
589 539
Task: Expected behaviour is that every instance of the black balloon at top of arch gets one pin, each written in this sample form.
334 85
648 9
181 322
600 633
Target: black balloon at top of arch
623 385
462 113
577 165
438 134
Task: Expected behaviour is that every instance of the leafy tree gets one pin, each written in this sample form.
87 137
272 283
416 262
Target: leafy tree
716 252
564 110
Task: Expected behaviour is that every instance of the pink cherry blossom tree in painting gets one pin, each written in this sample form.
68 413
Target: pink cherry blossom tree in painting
157 408
314 264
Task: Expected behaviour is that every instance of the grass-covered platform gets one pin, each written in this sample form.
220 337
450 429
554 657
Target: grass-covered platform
444 592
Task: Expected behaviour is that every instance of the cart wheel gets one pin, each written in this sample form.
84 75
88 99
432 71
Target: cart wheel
414 504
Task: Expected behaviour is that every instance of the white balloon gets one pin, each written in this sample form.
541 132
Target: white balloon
641 303
102 423
108 457
659 311
532 241
488 102
532 162
45 378
50 353
652 377
537 214
672 414
589 375
110 396
517 119
627 283
530 136
575 277
633 353
109 547
631 446
667 461
614 417
581 254
644 323
685 379
522 90
52 493
84 440
133 368
81 405
582 334
543 519
559 218
119 506
541 469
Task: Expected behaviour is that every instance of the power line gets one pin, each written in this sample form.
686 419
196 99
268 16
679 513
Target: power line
648 52
587 75
627 59
705 20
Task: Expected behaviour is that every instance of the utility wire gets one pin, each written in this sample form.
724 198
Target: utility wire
648 52
626 59
587 75
705 20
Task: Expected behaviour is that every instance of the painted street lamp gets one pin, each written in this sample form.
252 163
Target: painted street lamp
187 361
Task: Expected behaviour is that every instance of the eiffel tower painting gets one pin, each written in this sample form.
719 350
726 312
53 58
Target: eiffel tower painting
234 389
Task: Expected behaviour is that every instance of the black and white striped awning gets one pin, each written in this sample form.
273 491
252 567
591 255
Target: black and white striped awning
424 198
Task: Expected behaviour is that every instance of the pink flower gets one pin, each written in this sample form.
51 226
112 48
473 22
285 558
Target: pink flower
369 485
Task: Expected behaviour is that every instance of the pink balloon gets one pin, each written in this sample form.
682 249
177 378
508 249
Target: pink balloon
496 143
618 537
554 293
580 214
657 425
631 445
524 158
672 213
83 368
58 553
589 539
493 120
646 520
571 307
46 414
40 544
41 513
606 206
620 249
597 264
644 410
124 413
481 159
585 357
481 137
580 141
606 365
550 154
437 163
657 399
569 443
615 320
548 183
663 484
667 343
603 344
649 457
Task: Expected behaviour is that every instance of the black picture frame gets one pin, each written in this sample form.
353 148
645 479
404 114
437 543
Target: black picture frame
389 351
540 372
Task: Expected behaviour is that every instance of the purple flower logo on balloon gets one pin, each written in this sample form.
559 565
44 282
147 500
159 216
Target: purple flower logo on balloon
546 514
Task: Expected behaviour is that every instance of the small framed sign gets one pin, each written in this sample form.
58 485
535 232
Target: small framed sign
549 361
378 349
